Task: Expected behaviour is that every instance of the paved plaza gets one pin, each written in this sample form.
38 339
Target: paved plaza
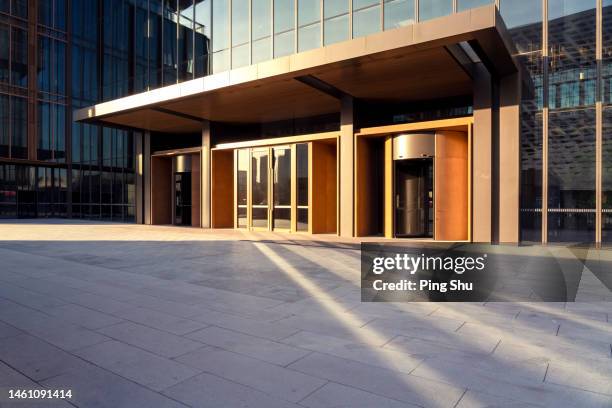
141 316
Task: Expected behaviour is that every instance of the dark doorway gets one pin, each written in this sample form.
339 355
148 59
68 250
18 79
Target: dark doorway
182 198
414 197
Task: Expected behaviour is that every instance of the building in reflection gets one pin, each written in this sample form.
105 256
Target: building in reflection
89 52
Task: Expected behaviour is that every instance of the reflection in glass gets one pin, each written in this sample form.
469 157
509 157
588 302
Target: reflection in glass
242 183
202 36
185 40
240 22
309 11
283 44
4 125
19 54
259 188
607 175
19 128
261 30
571 175
429 9
309 37
366 21
524 21
4 53
398 13
282 188
302 186
531 152
220 35
336 29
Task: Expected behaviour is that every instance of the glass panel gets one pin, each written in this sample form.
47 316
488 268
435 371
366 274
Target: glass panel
284 15
336 29
524 20
333 8
366 21
398 13
4 126
242 186
468 4
240 56
4 53
429 9
262 50
607 175
531 152
19 113
202 36
607 52
19 53
220 61
302 219
283 44
309 11
282 188
221 25
573 70
261 19
259 188
185 40
302 174
309 37
571 175
240 22
169 51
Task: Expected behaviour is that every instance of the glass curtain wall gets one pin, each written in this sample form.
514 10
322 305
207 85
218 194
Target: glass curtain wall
571 137
606 91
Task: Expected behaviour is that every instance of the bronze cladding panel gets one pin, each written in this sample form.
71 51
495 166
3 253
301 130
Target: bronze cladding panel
323 187
161 190
222 189
369 185
451 186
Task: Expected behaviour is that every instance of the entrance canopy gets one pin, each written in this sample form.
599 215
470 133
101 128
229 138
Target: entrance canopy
428 60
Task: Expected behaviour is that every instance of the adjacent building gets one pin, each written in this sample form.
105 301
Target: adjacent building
463 120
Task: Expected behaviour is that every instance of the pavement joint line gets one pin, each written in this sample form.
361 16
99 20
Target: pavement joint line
460 326
460 398
496 346
546 372
313 391
34 381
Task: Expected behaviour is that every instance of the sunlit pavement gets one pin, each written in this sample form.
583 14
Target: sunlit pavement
136 316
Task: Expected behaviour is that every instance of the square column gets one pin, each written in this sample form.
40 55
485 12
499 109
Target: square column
205 177
346 178
509 158
482 154
146 176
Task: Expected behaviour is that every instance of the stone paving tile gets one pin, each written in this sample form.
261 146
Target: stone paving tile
138 365
156 341
209 391
441 347
475 399
93 387
365 353
262 349
269 378
391 384
8 330
36 358
595 377
28 298
338 395
272 331
100 303
82 316
160 320
14 380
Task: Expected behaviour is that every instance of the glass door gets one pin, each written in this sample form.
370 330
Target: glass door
281 188
259 188
242 181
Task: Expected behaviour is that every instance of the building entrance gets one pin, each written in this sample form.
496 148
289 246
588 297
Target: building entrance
182 198
414 198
